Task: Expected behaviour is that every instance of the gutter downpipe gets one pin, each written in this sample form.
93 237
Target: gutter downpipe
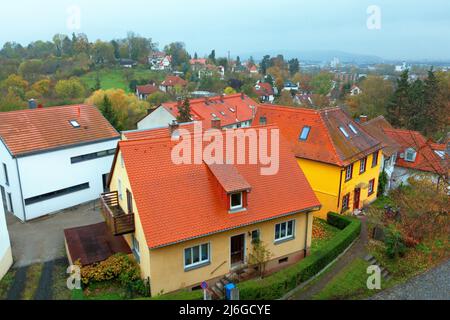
340 188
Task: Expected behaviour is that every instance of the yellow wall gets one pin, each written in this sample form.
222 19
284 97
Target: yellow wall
167 272
325 179
165 266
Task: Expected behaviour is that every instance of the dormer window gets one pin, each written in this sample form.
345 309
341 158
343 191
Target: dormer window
263 121
344 132
236 201
410 155
352 127
74 123
305 133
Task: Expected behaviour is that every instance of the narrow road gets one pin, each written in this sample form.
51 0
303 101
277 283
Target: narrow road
432 285
357 251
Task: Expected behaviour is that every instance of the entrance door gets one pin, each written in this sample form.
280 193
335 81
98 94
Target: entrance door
357 198
237 250
3 194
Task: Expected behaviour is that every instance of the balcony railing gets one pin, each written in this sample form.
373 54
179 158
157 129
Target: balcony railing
117 220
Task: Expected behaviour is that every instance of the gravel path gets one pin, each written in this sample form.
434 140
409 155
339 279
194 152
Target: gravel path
432 285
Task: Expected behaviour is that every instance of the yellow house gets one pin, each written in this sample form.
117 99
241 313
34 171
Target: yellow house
339 158
190 223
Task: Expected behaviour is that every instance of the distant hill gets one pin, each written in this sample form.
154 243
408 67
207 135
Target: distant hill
317 56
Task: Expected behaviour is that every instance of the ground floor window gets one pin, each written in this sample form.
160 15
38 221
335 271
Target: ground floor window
371 186
255 236
196 256
346 202
55 194
284 231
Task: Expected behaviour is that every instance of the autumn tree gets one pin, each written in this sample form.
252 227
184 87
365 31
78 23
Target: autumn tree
109 113
322 83
400 102
70 89
184 112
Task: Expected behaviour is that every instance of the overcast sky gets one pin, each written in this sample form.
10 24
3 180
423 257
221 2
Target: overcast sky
410 29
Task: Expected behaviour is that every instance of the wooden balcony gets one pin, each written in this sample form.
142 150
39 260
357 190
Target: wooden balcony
117 220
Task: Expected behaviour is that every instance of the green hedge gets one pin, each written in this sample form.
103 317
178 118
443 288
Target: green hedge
278 284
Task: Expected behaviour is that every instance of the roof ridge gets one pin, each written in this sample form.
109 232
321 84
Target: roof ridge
28 110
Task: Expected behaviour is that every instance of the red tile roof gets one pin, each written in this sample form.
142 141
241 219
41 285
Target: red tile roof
42 129
375 128
155 133
198 61
426 159
233 109
172 81
188 204
265 89
147 89
229 177
325 143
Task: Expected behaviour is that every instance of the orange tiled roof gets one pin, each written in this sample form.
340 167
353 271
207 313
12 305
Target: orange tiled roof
172 81
155 133
375 128
37 130
426 159
188 203
147 89
231 110
325 143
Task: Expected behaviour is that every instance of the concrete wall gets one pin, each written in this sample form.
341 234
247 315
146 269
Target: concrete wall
157 119
53 171
6 259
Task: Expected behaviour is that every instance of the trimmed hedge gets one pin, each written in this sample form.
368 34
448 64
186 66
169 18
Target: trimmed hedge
278 284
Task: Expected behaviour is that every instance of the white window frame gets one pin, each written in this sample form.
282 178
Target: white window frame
286 237
200 262
239 206
344 132
411 152
363 165
371 186
348 170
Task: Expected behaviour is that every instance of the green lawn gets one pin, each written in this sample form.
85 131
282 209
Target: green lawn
34 273
115 78
326 232
350 283
5 283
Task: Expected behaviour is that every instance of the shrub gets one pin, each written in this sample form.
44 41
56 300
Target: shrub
395 245
278 284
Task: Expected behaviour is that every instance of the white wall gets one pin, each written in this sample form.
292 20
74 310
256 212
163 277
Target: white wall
5 245
401 176
157 119
14 186
53 171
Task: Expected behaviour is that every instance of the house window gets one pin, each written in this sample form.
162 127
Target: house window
263 121
375 159
255 236
236 201
371 187
119 187
92 156
349 172
344 132
346 202
196 256
362 166
284 231
410 155
11 208
58 193
5 170
352 127
136 249
305 133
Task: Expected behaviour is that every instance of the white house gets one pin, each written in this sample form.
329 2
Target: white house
6 259
54 158
355 90
159 61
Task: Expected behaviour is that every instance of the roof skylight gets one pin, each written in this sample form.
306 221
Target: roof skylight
305 133
352 127
74 123
344 132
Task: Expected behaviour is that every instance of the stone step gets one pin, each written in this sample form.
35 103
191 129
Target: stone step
224 281
220 286
217 292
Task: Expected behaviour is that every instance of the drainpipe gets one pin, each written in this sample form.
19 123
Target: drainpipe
340 188
306 234
21 192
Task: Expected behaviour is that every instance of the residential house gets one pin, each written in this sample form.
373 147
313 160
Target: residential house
127 63
198 64
253 69
264 91
53 158
375 128
171 83
417 157
210 70
229 111
204 218
339 158
355 90
6 258
304 99
142 92
289 86
159 61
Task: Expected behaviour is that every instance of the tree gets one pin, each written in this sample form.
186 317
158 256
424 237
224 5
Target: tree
70 89
158 98
31 69
16 84
42 87
179 54
11 101
109 113
103 53
286 99
260 256
212 57
400 102
322 83
229 90
98 84
437 106
184 112
195 56
265 64
294 66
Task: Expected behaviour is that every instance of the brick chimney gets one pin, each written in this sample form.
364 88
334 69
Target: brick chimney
216 123
242 96
206 100
32 104
363 119
174 126
222 96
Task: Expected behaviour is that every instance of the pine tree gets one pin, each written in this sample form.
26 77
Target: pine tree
397 108
98 84
184 112
436 114
416 111
109 112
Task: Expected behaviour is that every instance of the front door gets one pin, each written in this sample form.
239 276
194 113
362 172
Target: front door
3 194
357 198
237 250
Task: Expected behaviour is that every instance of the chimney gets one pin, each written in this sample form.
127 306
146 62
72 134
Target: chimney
242 95
363 119
216 123
173 127
206 100
222 96
32 104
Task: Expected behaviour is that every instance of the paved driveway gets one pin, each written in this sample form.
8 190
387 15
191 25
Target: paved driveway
432 285
42 240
